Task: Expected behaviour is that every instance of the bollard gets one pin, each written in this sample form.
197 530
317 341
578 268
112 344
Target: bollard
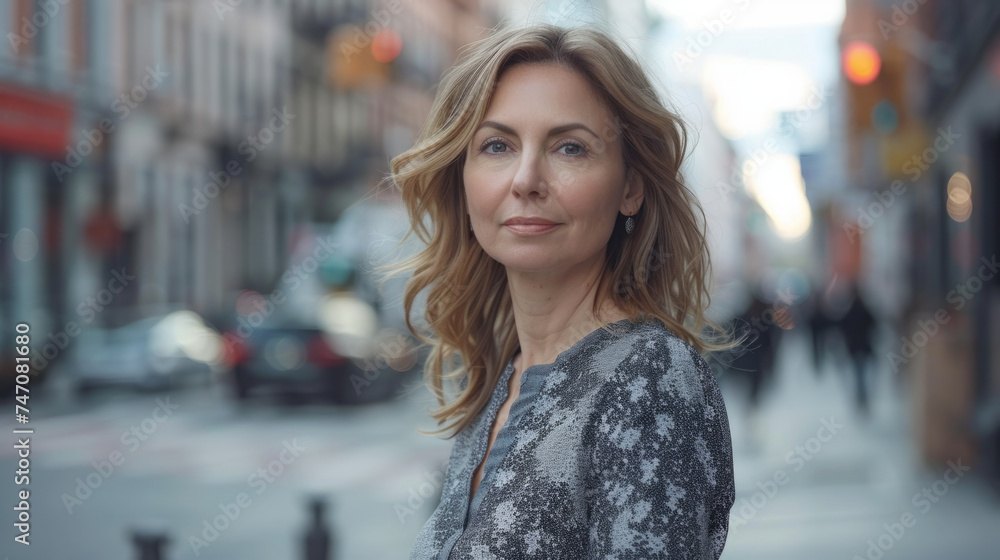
318 540
150 543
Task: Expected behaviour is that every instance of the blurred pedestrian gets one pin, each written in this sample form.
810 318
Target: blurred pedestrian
857 327
819 327
753 361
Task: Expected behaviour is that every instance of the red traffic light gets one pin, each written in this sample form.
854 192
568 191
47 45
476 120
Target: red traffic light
861 62
386 45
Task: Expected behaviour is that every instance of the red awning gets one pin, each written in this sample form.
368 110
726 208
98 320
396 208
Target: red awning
35 122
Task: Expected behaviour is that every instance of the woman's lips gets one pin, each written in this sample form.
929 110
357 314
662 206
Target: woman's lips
531 229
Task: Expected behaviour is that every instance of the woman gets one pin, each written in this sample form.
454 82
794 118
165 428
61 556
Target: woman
566 270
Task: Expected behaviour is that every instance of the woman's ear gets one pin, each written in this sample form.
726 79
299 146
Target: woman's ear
634 192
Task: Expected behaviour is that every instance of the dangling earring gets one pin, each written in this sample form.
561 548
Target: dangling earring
629 225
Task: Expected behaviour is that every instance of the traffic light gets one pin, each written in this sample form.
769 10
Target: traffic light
861 62
875 86
875 78
386 46
355 58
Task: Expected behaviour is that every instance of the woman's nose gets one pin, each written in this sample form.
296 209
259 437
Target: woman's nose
530 175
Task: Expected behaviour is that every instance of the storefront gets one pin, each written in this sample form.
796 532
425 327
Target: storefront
35 129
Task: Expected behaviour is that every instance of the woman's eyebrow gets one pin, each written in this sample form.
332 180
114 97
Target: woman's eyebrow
555 130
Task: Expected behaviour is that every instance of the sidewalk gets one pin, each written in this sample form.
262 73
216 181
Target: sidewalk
822 483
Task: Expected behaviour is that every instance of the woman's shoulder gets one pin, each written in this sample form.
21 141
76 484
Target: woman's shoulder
652 355
653 343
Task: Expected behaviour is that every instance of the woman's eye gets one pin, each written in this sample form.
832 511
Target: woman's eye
497 146
574 149
493 142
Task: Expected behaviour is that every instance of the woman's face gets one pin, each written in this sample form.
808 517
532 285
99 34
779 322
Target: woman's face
547 149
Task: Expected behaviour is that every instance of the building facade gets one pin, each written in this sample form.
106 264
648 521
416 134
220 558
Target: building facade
181 142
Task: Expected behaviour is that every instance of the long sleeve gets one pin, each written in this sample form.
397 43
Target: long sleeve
660 482
618 450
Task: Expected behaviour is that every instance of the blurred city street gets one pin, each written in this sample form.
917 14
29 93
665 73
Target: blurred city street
364 459
840 495
197 210
367 460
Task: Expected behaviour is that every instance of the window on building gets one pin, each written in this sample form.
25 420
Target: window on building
25 45
79 13
128 37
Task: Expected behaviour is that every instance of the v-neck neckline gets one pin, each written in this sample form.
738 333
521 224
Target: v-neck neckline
500 397
565 354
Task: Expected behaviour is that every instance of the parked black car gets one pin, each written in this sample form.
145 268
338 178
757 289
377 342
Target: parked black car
342 357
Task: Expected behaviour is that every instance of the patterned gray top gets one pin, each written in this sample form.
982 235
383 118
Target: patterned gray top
620 449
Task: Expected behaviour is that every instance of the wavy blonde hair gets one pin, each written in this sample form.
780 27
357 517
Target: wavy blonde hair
661 270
